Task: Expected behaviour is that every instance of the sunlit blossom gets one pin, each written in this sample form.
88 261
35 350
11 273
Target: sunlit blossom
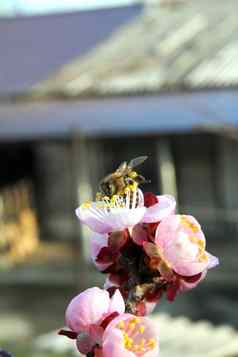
130 336
87 314
113 214
181 245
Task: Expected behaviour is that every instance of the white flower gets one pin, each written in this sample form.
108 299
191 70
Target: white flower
115 214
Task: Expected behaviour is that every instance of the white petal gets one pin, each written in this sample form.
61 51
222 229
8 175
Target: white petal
103 220
160 210
121 218
94 218
117 303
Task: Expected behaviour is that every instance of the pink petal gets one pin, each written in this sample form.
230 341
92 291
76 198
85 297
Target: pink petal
213 261
114 346
166 206
117 303
185 286
87 309
98 241
188 268
175 241
113 341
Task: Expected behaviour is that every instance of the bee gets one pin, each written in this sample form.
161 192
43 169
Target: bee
124 177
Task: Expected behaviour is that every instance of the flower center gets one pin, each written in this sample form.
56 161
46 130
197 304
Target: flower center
135 338
129 200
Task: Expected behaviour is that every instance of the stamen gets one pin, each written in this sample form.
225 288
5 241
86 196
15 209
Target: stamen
132 325
186 223
131 330
198 241
151 343
121 325
87 204
134 198
203 257
128 200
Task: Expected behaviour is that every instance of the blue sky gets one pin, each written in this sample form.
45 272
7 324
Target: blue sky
44 6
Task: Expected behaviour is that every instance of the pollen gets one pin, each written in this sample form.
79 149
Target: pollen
133 187
151 343
142 343
116 201
203 257
134 336
87 204
132 325
198 241
186 223
121 325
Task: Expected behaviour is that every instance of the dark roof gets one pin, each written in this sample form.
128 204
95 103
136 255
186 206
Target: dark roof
192 45
118 117
32 48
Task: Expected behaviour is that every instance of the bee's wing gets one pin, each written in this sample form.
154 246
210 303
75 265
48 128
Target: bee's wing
137 161
121 169
119 172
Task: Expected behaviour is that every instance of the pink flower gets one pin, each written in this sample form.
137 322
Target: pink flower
158 207
114 214
88 314
181 245
185 284
91 307
130 336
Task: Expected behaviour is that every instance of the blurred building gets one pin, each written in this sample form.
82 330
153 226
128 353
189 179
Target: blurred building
164 84
32 48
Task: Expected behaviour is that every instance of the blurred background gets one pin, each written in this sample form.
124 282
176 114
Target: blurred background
85 85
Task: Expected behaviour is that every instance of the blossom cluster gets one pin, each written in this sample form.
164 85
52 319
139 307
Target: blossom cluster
146 250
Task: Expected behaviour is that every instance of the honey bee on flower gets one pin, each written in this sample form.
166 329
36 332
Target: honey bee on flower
119 202
124 178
